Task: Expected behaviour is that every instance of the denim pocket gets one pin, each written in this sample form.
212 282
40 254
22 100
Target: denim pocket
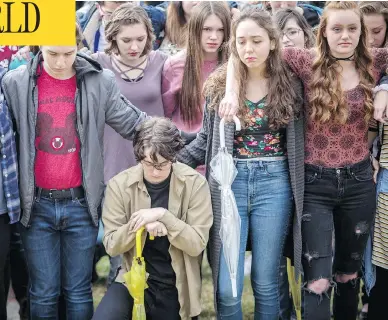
82 202
364 175
310 177
382 181
277 170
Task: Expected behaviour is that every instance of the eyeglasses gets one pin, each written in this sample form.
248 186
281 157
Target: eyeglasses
291 33
158 166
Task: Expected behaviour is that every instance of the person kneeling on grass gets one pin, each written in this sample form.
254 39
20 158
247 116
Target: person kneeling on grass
172 201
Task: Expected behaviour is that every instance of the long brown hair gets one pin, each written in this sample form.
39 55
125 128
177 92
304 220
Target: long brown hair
190 95
327 99
376 7
282 101
176 24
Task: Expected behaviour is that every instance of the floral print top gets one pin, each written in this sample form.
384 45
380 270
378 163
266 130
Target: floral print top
257 139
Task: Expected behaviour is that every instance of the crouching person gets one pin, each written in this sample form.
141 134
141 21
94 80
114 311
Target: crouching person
172 201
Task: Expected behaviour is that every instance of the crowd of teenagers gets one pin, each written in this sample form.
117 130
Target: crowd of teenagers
117 133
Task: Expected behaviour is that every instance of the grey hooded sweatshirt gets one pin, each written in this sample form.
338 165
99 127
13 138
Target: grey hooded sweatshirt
98 102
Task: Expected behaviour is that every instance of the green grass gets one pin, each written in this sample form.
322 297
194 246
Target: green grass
208 313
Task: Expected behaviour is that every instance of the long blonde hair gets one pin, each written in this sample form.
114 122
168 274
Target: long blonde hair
327 100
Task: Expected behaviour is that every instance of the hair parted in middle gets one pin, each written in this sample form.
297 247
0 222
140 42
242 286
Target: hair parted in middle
125 15
191 93
158 136
327 99
282 101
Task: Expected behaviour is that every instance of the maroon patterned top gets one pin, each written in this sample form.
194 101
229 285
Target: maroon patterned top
331 144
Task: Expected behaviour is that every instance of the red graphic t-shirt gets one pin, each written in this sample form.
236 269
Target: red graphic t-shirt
57 163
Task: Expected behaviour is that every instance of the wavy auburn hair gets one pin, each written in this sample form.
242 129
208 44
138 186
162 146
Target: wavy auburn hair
327 100
282 100
190 95
126 15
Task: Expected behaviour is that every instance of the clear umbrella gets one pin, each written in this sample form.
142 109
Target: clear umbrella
224 172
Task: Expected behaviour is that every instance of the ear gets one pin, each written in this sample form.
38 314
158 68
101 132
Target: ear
324 33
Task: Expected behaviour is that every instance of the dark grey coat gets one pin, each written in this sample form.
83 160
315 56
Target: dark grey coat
205 147
98 101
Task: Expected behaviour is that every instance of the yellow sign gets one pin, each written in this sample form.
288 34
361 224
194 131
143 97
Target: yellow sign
37 22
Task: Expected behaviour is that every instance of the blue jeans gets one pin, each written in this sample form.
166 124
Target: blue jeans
264 200
369 269
59 248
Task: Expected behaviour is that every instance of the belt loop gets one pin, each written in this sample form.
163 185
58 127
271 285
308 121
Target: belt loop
72 194
349 171
320 171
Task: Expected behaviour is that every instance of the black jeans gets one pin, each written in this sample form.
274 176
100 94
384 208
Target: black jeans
377 308
17 270
161 303
5 238
343 200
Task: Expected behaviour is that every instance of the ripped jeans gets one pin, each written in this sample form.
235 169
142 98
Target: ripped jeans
342 199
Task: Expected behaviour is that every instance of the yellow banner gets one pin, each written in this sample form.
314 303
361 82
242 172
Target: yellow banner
37 22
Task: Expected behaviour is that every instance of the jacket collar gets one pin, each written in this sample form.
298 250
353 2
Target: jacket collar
83 64
180 172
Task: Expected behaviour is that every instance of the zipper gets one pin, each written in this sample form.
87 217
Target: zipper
79 131
34 93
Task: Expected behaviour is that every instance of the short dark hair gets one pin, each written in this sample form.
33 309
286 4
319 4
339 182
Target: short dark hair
159 136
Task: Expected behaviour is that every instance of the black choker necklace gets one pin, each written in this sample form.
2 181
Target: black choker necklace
351 58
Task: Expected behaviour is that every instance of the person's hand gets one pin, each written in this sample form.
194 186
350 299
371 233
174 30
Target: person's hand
86 51
156 229
228 106
380 104
142 217
23 53
376 168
